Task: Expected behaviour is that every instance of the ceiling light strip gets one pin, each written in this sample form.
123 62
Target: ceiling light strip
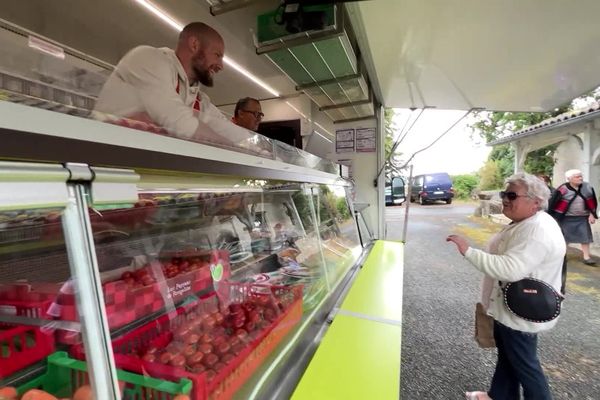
172 22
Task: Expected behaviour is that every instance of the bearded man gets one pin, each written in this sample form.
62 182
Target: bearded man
162 86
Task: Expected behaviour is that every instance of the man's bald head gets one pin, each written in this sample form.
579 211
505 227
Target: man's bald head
200 50
200 31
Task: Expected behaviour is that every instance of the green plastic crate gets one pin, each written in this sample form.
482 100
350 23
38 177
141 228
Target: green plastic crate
64 375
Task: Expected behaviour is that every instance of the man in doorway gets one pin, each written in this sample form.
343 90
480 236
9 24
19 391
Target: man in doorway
162 86
247 113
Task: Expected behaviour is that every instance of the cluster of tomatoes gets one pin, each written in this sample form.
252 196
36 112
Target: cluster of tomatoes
145 275
208 341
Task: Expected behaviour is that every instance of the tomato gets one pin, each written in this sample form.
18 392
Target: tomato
250 326
241 334
223 348
227 358
239 321
8 393
192 338
218 318
165 357
206 338
194 358
209 322
149 357
177 361
84 392
234 341
205 348
270 315
126 275
197 368
36 394
218 366
218 340
182 332
237 349
188 351
210 360
210 374
235 308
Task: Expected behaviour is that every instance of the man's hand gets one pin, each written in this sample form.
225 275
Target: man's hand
461 244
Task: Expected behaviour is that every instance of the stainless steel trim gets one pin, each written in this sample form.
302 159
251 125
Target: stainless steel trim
89 296
20 145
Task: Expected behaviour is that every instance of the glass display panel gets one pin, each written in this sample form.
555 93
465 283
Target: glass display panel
70 86
337 230
39 318
207 284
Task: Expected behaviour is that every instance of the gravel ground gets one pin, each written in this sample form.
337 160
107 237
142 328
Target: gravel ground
440 359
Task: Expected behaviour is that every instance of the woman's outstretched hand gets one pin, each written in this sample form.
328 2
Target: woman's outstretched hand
461 244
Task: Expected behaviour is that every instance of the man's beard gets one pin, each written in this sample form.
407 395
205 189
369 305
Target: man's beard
204 77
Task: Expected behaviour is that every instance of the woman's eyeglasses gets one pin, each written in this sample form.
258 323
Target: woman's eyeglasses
257 114
512 196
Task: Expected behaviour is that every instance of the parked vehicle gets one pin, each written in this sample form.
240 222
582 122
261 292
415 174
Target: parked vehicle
430 187
395 193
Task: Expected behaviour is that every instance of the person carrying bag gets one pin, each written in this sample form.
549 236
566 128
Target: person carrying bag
531 246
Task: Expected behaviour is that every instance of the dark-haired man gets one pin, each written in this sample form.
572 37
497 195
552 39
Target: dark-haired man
247 113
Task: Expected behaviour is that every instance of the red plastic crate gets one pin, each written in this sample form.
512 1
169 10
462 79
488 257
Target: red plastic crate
229 379
22 345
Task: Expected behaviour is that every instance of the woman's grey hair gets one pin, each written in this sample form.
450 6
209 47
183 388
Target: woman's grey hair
536 187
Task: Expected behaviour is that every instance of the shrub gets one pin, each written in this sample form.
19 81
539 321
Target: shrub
464 185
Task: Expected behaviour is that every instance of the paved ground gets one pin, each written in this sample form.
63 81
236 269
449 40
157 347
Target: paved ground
440 359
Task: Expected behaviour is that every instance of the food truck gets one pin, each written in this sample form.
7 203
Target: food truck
135 264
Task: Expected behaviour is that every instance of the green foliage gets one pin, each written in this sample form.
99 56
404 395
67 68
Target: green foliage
490 176
464 185
504 159
392 163
495 125
342 208
303 207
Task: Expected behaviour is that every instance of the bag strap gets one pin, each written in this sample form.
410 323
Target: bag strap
563 279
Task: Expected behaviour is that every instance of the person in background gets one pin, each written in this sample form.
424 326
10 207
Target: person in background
574 205
530 246
162 86
247 113
547 181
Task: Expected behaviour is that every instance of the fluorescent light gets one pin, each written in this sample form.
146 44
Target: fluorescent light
324 137
161 14
172 22
250 76
46 47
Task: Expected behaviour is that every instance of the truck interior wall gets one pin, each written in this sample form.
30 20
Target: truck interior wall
364 169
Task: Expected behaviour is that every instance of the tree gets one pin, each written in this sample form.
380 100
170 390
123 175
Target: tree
495 125
393 162
464 185
490 176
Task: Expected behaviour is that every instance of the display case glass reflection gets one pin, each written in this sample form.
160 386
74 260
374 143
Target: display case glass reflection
38 308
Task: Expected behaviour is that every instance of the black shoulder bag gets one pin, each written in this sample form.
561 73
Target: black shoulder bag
534 300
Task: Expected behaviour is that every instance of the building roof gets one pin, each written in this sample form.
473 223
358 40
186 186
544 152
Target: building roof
570 117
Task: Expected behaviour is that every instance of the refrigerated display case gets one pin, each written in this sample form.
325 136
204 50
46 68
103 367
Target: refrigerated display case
144 273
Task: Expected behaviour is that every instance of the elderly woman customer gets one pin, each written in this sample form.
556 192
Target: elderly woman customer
532 246
574 205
